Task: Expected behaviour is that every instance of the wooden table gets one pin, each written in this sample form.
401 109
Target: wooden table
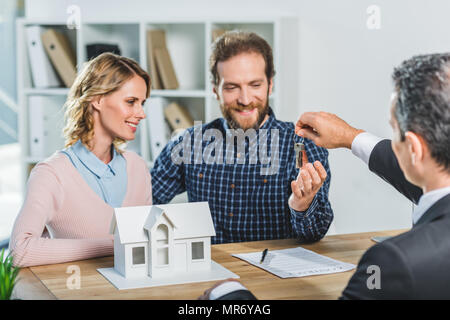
50 281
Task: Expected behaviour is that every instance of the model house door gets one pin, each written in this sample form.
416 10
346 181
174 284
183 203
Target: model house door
180 255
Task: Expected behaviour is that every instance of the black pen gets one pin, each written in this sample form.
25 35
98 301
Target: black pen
264 255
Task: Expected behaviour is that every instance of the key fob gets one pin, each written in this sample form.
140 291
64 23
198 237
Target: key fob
299 154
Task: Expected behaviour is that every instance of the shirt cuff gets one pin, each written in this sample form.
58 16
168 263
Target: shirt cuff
312 208
225 288
363 145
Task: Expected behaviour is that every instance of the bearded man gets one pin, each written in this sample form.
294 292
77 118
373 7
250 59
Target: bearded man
244 164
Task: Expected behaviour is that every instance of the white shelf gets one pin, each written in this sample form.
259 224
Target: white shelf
47 91
189 43
179 93
32 160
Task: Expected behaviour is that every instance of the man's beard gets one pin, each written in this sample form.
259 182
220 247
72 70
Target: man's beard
233 123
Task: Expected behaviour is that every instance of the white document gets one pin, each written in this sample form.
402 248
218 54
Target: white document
295 262
157 127
44 76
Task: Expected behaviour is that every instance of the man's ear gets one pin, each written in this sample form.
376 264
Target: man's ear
416 146
270 86
216 94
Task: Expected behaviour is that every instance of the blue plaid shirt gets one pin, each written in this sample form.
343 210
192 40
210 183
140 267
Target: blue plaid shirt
248 201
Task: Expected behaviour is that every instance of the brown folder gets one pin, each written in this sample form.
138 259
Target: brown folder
178 116
165 68
61 55
155 39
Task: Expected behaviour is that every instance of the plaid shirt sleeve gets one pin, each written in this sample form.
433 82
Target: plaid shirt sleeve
313 224
167 176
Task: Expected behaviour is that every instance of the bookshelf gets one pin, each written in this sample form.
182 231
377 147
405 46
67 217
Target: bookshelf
188 42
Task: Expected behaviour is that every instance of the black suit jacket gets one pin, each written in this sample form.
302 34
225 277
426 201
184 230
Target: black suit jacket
383 162
415 264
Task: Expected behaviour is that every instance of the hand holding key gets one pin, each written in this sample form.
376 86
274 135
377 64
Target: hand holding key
309 180
326 130
300 155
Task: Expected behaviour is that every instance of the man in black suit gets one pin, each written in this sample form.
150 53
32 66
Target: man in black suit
415 264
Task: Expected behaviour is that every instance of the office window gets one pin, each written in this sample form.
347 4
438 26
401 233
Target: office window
138 255
197 251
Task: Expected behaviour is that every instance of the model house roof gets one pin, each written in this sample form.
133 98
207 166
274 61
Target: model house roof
129 222
154 217
190 220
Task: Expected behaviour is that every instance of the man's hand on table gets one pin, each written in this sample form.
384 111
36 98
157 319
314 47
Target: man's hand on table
207 294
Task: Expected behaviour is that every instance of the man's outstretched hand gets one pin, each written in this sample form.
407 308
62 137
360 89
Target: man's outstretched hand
309 180
326 130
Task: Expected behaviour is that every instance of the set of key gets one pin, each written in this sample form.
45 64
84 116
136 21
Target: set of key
300 155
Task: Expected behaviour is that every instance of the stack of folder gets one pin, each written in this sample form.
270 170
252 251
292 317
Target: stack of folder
178 116
164 117
52 58
42 71
160 63
45 125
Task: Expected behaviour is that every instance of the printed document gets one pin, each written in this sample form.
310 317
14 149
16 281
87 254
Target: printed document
295 262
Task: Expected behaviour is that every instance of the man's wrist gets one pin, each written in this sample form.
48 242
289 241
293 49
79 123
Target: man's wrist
303 207
312 208
351 135
299 207
363 145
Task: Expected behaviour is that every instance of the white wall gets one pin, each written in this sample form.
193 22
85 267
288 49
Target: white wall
344 68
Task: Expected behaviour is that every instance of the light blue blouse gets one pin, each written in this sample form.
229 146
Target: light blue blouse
109 181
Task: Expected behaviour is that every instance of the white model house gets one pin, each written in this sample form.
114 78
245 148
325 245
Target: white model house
162 240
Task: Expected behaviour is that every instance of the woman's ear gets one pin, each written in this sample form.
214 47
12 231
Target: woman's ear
416 146
96 103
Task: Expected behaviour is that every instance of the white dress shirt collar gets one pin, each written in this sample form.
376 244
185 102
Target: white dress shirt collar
427 200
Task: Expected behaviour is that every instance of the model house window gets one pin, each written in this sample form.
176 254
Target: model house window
197 251
138 255
162 245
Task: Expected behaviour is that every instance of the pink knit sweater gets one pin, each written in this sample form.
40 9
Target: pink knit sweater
77 219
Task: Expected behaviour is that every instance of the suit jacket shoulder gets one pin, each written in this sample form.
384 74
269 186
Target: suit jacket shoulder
382 273
413 265
383 162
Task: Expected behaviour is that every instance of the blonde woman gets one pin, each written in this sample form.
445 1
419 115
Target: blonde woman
71 195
